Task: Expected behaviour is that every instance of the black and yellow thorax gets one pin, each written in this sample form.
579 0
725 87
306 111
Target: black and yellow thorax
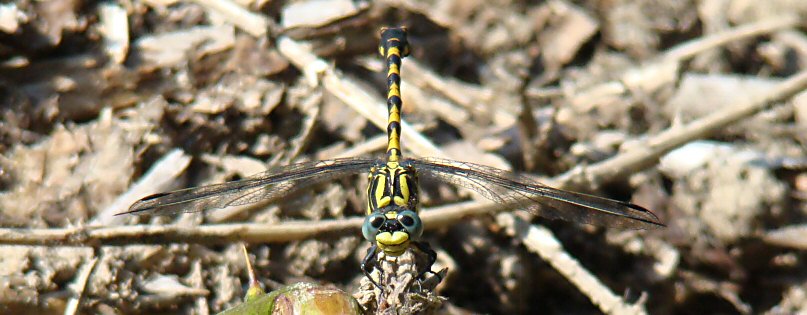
392 184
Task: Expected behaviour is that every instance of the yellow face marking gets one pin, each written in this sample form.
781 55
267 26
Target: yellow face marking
391 239
395 250
391 215
393 243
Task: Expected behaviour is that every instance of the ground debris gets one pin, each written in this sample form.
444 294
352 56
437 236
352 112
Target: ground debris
104 103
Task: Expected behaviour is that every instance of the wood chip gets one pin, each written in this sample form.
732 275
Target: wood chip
314 13
10 17
115 29
569 29
171 49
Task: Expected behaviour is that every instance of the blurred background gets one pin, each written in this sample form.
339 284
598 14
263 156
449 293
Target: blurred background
102 103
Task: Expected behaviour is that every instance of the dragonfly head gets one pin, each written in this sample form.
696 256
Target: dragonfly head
392 228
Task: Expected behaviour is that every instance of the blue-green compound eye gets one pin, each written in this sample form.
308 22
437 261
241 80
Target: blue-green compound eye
371 225
411 222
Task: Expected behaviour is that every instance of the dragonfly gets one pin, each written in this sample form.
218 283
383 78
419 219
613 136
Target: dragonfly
392 223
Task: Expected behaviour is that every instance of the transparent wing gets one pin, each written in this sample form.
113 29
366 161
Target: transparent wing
272 183
505 187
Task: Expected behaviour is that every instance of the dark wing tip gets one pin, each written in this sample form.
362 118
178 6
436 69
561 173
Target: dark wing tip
153 196
143 204
646 216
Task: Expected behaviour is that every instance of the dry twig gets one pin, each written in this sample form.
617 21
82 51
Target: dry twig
79 285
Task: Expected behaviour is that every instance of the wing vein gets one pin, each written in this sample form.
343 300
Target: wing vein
506 187
272 183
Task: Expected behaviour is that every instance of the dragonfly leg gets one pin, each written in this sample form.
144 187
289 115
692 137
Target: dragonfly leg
369 262
432 255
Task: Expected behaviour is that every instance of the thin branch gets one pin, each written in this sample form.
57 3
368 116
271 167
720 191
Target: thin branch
209 234
646 153
351 93
79 286
541 241
663 70
794 236
765 26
